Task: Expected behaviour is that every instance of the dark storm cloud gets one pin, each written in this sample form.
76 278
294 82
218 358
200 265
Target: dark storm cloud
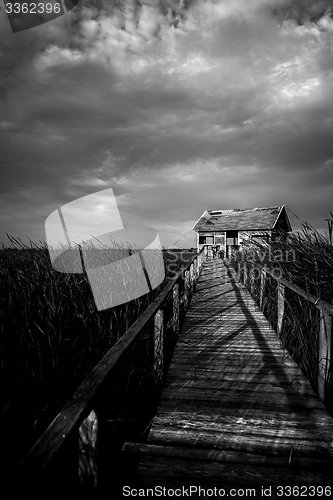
178 105
303 11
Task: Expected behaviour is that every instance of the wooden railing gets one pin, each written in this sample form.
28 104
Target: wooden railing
80 451
267 285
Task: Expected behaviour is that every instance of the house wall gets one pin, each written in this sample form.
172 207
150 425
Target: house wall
219 238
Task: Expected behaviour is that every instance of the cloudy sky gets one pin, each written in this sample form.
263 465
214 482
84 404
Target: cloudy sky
178 105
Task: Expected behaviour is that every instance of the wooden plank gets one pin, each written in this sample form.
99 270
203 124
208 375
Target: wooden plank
226 456
172 471
178 422
247 443
239 401
244 386
214 406
194 387
302 420
259 369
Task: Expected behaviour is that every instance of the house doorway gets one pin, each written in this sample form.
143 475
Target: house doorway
231 243
207 240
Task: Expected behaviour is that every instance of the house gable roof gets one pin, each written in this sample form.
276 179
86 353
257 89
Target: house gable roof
244 219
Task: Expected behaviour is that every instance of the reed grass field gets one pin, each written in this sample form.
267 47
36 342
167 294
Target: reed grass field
52 335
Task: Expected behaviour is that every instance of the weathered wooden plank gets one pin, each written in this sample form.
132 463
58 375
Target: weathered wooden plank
231 367
251 417
240 401
224 474
239 387
176 423
226 456
314 415
247 443
197 388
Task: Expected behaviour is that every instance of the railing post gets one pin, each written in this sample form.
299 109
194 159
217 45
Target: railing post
250 275
262 288
195 269
280 307
175 309
88 450
245 272
186 290
158 346
325 344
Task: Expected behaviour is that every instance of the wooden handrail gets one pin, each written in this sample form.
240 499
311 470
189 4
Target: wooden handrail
68 421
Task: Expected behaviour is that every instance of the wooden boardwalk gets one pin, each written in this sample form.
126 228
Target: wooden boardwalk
236 411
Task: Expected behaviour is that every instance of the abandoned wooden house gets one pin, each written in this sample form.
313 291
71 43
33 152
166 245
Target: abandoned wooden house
228 229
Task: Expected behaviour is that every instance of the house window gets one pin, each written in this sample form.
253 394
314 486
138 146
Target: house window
232 238
206 240
219 239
